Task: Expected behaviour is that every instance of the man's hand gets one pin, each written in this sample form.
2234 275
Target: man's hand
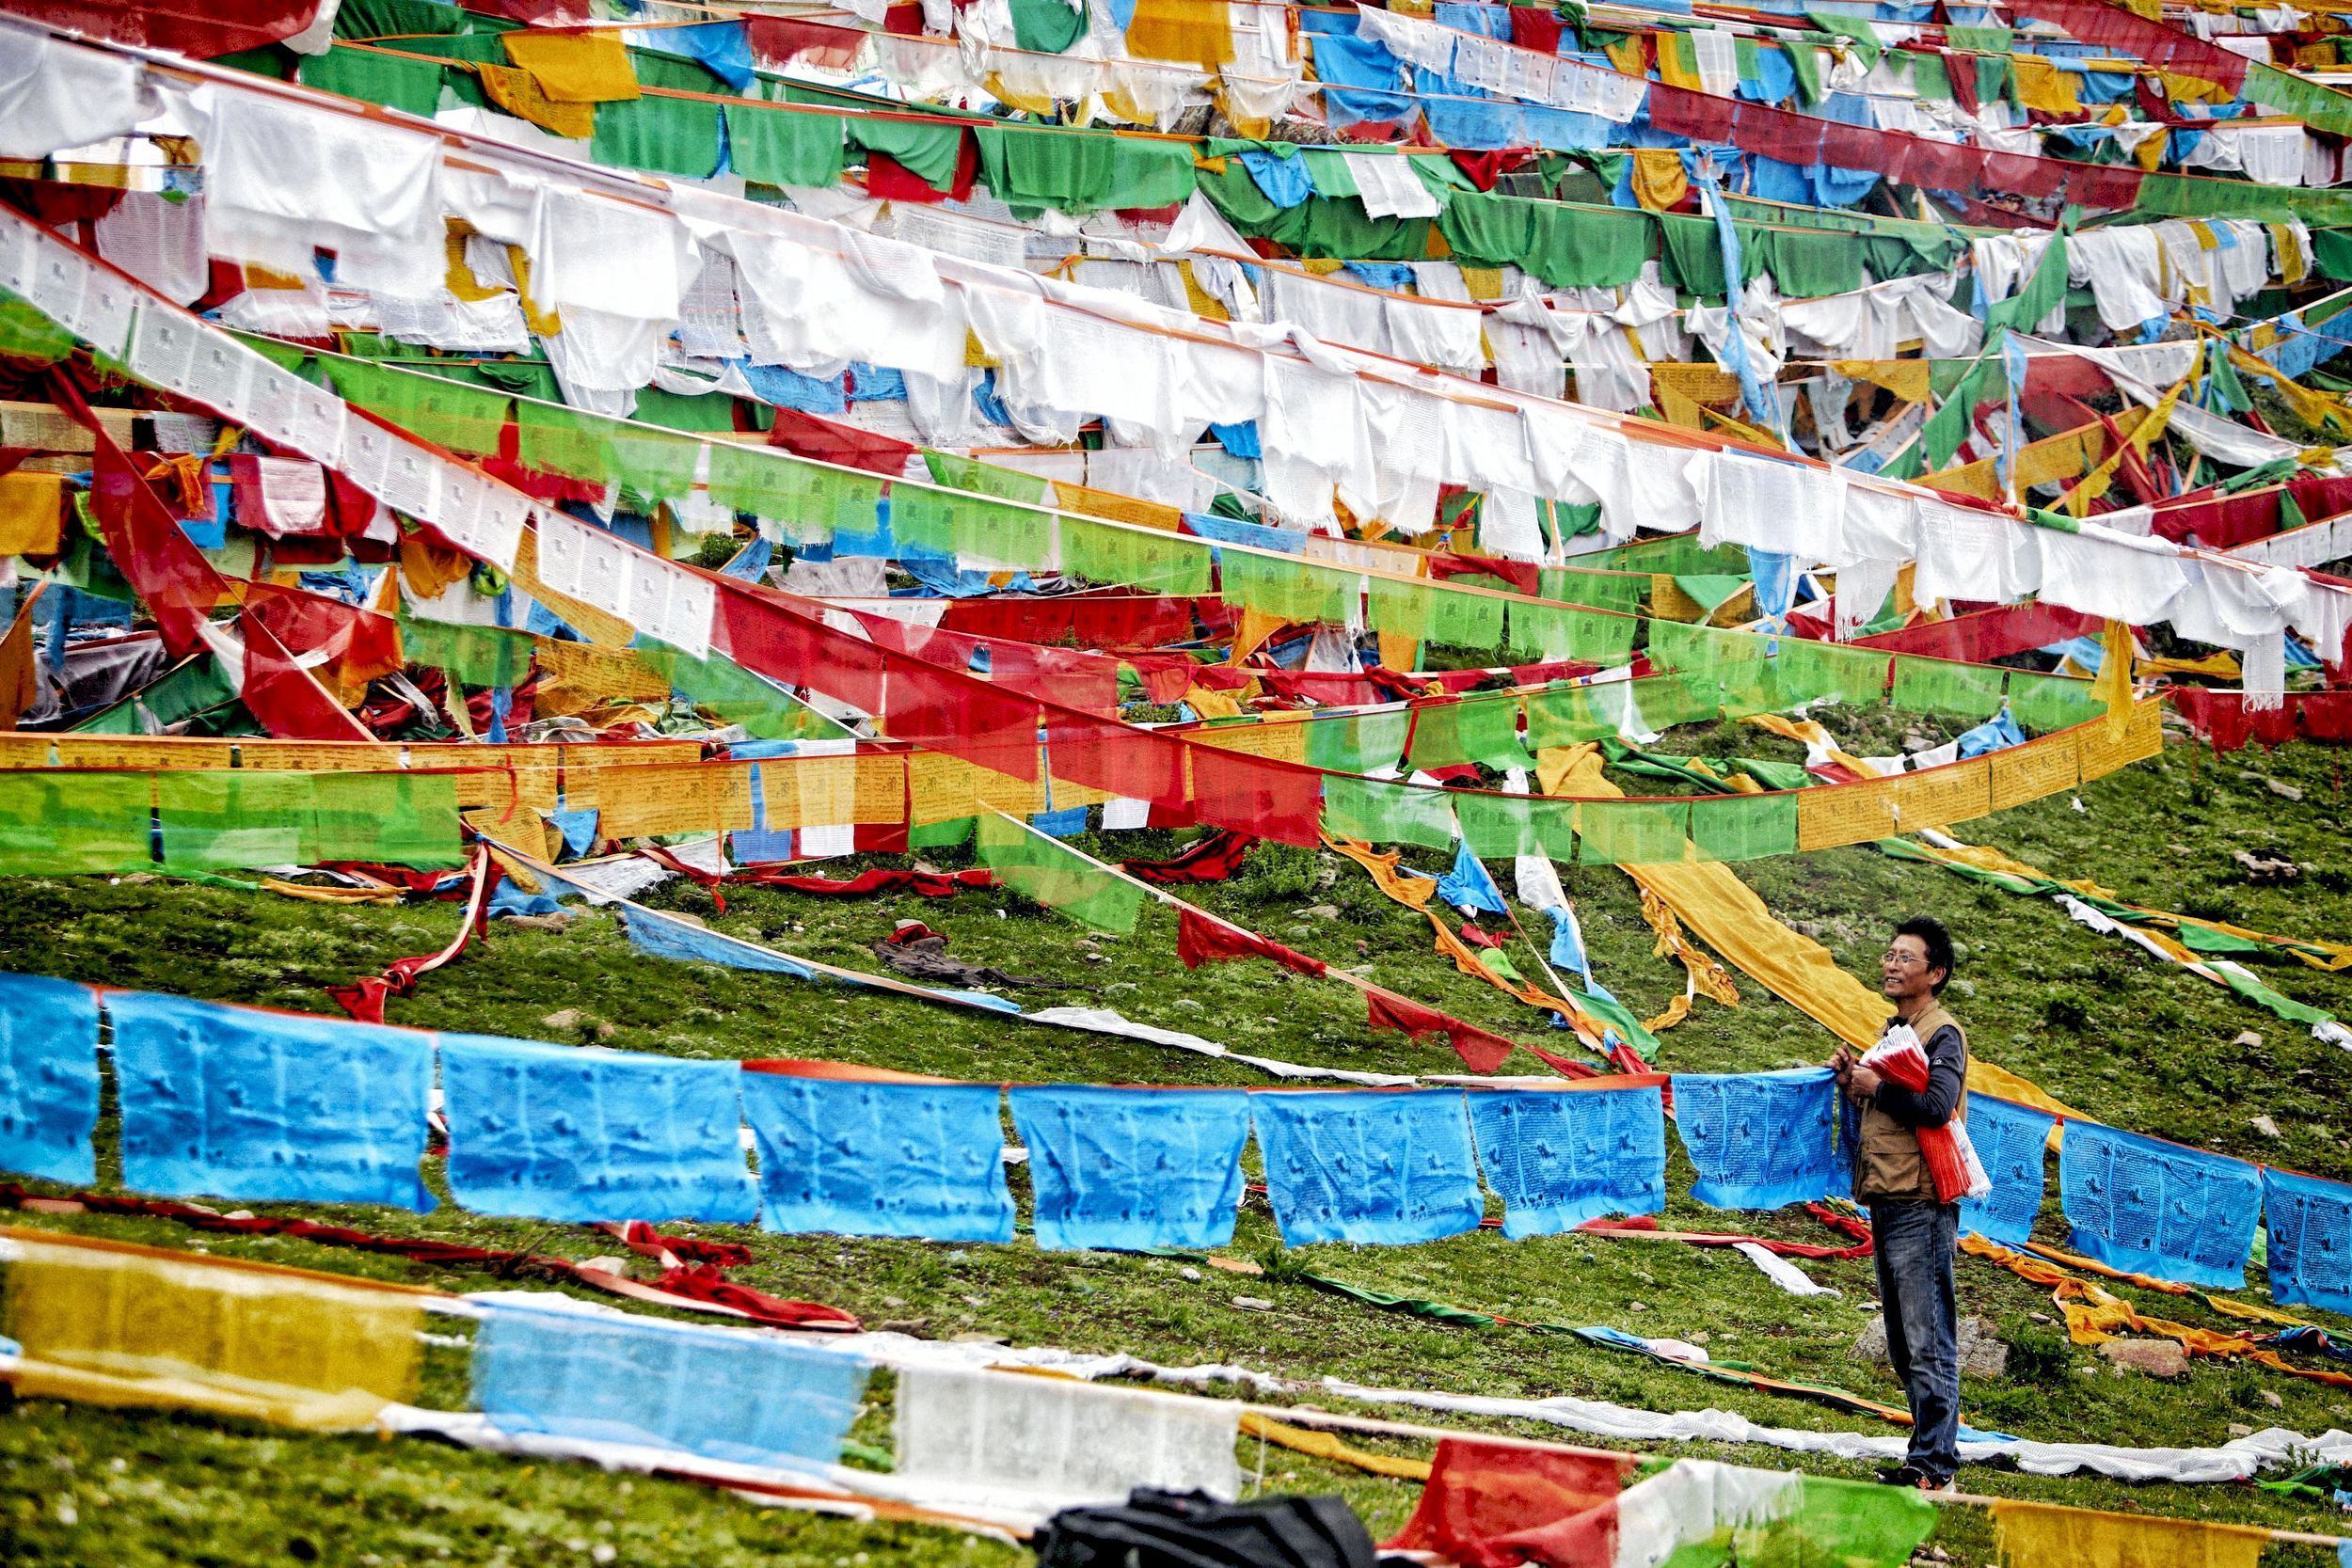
1862 1083
1841 1061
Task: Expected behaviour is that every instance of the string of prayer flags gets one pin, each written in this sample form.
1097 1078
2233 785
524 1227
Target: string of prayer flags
1132 1170
1760 1140
852 1158
586 1134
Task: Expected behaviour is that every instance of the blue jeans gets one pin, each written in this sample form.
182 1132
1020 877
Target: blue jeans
1914 1242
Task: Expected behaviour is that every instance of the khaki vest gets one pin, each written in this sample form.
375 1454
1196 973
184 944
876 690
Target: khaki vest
1887 1163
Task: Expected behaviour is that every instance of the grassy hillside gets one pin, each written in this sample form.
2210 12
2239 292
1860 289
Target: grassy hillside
2096 1021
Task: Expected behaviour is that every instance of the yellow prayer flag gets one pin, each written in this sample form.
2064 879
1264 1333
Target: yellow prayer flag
120 1326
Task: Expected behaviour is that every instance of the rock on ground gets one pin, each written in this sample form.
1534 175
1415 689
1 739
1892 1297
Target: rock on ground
2156 1357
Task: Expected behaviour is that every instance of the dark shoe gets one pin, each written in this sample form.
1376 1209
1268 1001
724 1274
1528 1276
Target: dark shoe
1903 1475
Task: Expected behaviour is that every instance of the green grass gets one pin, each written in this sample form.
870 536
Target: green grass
2093 1020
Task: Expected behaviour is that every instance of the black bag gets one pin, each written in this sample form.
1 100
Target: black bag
1192 1529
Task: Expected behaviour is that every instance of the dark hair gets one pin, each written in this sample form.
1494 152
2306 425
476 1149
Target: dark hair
1937 941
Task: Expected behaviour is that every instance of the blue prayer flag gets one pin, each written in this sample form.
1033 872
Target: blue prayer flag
1385 1169
2010 1139
2310 1226
859 1159
1760 1140
48 1078
238 1103
1133 1168
729 1394
2157 1208
583 1134
1559 1157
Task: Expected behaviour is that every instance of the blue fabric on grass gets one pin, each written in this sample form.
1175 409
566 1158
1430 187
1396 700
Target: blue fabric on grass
1996 734
2009 1140
2309 1241
1471 883
48 1078
1380 1170
1760 1140
1561 1157
2150 1206
236 1102
855 1159
660 937
1132 1170
584 1134
747 1399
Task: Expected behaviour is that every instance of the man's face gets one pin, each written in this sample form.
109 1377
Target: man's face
1903 971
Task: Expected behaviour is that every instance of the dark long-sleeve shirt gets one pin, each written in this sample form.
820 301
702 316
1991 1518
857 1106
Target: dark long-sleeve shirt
1947 1079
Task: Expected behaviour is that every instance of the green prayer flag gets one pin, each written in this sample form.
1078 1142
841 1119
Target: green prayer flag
1379 810
404 818
1288 588
411 86
477 655
1047 27
68 823
659 136
925 148
1428 613
1482 729
233 819
450 413
1567 631
1135 558
1947 689
785 146
1357 742
1080 172
1048 872
1744 826
1633 833
2046 703
739 696
802 499
1496 826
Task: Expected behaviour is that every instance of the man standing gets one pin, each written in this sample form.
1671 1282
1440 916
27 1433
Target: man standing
1916 1235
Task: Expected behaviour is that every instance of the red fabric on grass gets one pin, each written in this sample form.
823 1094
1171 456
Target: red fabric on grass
1201 939
1121 621
285 697
2326 715
1482 1498
1213 858
1480 1052
2113 186
929 884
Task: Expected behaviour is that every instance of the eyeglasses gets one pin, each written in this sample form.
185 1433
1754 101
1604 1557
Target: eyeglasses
1896 955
